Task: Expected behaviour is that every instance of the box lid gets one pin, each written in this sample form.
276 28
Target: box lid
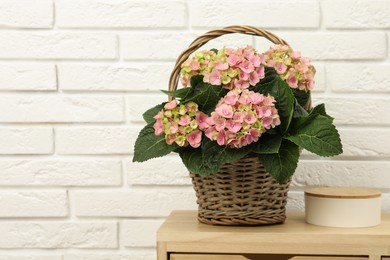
342 192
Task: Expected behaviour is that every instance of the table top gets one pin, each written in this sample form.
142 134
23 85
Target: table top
186 221
181 232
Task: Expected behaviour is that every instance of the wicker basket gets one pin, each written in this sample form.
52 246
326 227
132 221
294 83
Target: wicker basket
241 193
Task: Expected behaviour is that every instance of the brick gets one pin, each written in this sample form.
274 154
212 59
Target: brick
58 235
138 254
135 203
356 14
114 77
371 111
147 227
168 170
262 13
138 103
55 45
29 257
33 204
341 173
365 143
61 108
360 77
95 140
121 14
320 80
227 40
154 46
26 14
295 201
62 172
25 76
168 46
26 140
338 45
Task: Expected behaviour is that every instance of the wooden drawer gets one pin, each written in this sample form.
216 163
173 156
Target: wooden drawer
206 257
255 257
327 258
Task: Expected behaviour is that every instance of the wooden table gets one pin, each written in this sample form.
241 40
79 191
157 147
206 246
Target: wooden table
182 237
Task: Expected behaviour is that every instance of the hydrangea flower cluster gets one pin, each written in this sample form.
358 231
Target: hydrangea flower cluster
292 67
229 67
241 117
182 124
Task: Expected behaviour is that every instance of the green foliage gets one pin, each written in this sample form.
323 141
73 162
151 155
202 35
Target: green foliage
206 96
267 144
284 100
301 96
180 93
215 155
195 162
149 146
150 113
282 165
299 111
317 134
196 80
320 110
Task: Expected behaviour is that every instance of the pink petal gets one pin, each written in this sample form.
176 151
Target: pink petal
171 105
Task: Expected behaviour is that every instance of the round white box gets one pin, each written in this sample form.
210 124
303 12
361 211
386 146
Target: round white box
343 207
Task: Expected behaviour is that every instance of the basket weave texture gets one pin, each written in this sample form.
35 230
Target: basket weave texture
241 193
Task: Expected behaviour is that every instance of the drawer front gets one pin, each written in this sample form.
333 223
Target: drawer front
255 257
206 257
327 258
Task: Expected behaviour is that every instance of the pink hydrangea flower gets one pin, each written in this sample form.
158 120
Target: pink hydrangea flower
201 120
225 111
292 67
185 120
158 127
230 68
221 137
250 116
181 124
194 138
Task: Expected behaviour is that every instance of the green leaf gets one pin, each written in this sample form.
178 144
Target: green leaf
195 163
150 113
299 111
267 144
180 93
320 110
284 100
282 165
206 96
318 135
301 96
196 80
270 79
214 50
268 71
215 155
148 145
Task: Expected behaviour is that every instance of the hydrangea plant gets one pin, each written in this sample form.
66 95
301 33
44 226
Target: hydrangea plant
238 102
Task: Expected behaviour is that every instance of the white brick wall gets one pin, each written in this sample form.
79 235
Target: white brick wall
75 77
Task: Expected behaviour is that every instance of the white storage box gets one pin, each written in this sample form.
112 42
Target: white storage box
343 207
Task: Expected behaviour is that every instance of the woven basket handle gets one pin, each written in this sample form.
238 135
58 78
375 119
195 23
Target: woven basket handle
203 39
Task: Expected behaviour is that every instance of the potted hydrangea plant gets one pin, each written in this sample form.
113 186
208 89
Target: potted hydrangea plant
241 114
